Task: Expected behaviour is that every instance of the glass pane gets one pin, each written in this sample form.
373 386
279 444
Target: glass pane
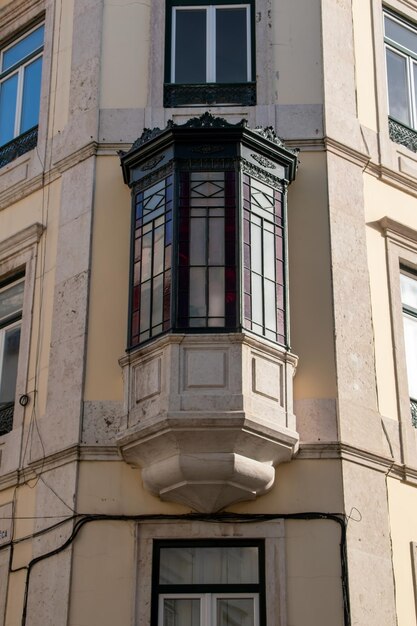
31 95
270 306
269 255
8 92
231 46
197 292
209 565
8 366
11 300
216 241
401 34
257 314
181 612
146 256
216 291
158 254
408 291
410 338
145 306
23 48
154 201
398 87
190 46
198 241
256 248
157 300
235 612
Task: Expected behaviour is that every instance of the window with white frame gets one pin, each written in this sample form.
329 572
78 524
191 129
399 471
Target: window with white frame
20 84
210 47
401 62
408 283
208 583
11 305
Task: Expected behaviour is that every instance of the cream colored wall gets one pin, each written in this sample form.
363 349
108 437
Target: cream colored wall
125 54
311 317
297 51
364 63
403 513
107 328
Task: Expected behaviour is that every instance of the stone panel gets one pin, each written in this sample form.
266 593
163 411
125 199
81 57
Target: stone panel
147 379
205 368
267 378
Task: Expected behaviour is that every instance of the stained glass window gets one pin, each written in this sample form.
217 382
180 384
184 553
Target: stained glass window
263 260
151 293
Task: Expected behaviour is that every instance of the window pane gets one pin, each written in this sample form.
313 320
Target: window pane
231 46
235 612
31 95
23 48
197 292
11 300
216 292
408 291
158 251
8 91
157 301
257 314
410 337
398 87
216 241
217 565
256 248
269 254
8 366
190 46
401 34
181 612
198 241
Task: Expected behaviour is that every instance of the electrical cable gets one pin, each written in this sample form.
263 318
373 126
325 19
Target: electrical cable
232 518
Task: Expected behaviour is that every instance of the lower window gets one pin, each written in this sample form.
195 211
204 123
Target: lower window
11 303
206 583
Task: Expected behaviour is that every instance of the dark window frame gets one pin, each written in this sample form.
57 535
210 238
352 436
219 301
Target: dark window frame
208 93
159 589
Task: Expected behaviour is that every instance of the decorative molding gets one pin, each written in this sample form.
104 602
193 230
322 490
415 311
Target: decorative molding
401 234
21 240
263 161
16 11
260 174
153 177
149 165
207 148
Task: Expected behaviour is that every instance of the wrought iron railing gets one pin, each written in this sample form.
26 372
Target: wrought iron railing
6 417
402 134
209 93
18 146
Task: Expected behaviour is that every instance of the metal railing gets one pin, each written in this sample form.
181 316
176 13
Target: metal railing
6 417
18 146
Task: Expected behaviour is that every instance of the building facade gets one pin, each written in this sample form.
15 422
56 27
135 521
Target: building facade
208 305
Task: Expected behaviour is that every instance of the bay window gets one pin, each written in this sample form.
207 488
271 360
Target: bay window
208 224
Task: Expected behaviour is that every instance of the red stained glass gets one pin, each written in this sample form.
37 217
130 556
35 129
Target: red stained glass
246 255
167 298
135 298
279 248
135 324
280 272
248 307
280 322
280 296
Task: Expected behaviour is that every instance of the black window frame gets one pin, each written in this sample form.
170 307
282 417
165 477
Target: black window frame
159 589
203 94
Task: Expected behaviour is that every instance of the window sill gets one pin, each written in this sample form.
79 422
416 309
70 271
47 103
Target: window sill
6 418
18 146
404 135
176 95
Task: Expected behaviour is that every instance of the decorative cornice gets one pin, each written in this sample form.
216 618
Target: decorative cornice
360 456
401 234
72 454
21 240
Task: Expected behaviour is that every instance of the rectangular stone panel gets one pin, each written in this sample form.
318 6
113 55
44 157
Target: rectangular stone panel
147 379
205 368
267 378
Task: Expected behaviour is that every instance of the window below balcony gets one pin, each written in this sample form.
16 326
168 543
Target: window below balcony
207 583
408 284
